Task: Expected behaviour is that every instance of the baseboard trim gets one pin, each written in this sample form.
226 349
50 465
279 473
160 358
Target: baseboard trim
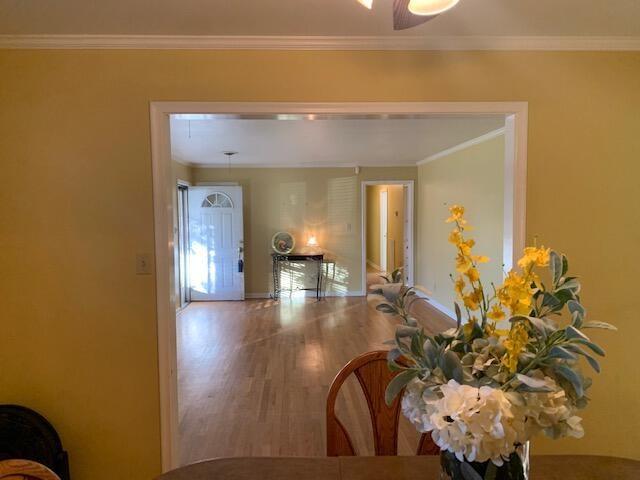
438 306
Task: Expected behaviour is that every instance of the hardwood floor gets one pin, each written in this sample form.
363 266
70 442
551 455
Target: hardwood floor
253 376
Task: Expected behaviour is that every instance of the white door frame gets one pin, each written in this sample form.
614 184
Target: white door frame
408 231
515 179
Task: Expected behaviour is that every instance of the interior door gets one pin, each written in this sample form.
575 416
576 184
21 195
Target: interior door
383 230
216 238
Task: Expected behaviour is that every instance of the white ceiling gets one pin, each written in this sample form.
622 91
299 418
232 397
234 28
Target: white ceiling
316 17
328 142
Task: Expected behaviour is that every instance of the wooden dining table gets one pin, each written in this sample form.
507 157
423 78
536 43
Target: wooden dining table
543 467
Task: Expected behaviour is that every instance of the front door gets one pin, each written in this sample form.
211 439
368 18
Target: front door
216 253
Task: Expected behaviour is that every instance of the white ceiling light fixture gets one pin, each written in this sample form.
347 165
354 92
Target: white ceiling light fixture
431 7
410 13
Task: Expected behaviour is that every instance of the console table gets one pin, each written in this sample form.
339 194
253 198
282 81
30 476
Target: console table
278 259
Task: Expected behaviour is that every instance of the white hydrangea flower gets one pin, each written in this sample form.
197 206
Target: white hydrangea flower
553 413
415 406
485 423
478 424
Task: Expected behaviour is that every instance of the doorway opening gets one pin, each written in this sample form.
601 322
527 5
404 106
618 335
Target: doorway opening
329 199
387 216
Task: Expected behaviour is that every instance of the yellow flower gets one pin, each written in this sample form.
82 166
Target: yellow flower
514 344
468 327
480 258
492 330
463 263
472 300
516 293
457 214
466 246
473 274
534 256
496 313
455 237
459 286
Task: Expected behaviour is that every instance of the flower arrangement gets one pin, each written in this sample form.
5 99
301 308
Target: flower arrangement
508 371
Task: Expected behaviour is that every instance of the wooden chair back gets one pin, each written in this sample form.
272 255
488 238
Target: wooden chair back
25 470
373 375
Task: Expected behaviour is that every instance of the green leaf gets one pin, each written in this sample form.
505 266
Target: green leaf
417 346
430 354
540 325
392 356
403 331
560 352
570 284
573 332
533 382
603 325
576 307
549 300
491 472
565 265
397 384
451 366
595 348
458 313
386 308
593 362
468 472
564 296
555 265
572 377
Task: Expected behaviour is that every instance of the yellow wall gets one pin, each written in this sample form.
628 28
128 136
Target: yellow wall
79 332
180 171
473 177
324 202
395 224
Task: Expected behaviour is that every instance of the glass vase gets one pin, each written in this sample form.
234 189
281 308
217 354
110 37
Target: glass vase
516 468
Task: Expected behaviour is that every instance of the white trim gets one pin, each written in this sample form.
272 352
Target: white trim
165 305
441 308
163 209
409 269
217 184
463 145
374 265
274 42
183 183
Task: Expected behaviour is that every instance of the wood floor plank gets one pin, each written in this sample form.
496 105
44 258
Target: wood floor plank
253 376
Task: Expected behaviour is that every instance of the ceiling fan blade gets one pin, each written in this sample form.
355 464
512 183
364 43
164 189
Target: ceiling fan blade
403 18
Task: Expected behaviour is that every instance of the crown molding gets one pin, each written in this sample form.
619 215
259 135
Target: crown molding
288 166
463 145
233 42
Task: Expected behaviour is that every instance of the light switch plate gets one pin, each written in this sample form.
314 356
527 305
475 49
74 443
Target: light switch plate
143 264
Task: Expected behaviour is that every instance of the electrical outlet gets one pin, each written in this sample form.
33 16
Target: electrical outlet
143 264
